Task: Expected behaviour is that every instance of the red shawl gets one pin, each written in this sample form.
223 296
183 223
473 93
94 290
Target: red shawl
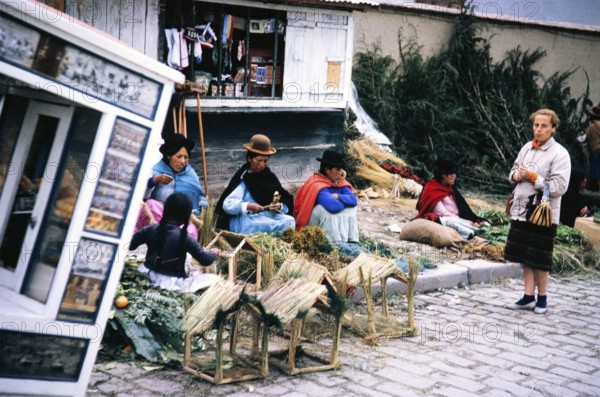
433 193
307 196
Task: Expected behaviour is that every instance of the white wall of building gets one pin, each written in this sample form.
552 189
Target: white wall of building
568 47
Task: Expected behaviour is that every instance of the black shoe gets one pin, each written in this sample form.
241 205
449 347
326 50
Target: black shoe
521 305
540 308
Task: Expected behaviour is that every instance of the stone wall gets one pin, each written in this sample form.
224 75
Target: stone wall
568 46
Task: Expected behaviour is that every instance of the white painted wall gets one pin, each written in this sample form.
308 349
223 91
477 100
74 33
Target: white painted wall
567 47
132 22
312 40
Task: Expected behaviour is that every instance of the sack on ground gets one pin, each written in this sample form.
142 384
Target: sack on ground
430 233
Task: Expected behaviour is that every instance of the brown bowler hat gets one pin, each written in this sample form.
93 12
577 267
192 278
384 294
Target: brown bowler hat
260 144
595 112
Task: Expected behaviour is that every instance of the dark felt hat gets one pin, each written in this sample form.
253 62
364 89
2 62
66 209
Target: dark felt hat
174 142
332 158
444 166
260 144
594 112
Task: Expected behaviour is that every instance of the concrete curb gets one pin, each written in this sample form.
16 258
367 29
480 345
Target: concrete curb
450 275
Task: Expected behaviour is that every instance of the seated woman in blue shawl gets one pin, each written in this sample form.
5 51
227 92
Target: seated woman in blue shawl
249 204
174 174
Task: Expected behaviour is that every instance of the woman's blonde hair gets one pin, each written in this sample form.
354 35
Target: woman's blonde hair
546 112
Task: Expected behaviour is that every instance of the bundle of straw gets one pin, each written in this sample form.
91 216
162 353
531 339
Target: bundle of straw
369 155
220 296
276 246
374 266
300 267
287 301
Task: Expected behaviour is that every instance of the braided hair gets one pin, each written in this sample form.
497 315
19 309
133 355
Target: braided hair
178 209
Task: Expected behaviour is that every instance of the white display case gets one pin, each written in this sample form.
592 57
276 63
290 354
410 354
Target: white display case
78 113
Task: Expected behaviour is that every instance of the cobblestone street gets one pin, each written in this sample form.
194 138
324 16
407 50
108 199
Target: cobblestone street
468 345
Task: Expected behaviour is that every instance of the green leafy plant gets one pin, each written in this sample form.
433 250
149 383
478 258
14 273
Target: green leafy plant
462 103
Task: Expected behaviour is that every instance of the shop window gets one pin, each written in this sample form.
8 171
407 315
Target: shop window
229 51
40 183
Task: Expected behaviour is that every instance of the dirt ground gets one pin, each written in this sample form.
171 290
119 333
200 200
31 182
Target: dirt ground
376 215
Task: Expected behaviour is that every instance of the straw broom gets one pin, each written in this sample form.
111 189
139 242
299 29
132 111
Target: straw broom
220 296
376 266
290 299
300 267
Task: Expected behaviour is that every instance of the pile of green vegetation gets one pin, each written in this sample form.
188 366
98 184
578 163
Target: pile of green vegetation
573 254
460 102
148 325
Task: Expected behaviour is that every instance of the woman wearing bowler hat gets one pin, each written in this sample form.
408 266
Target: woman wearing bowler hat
249 204
326 200
172 174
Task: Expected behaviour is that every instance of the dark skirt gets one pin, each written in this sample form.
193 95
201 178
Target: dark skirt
530 245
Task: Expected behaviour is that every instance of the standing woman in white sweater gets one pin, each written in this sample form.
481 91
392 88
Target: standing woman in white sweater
538 161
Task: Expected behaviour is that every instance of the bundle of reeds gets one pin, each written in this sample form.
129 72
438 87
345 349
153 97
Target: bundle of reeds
288 301
274 245
376 267
300 267
207 226
368 154
219 297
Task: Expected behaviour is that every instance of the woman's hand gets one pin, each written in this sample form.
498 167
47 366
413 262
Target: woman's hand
335 196
255 208
162 179
584 211
525 174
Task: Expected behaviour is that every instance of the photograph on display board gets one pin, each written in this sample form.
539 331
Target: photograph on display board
18 43
117 178
41 356
83 294
78 68
107 81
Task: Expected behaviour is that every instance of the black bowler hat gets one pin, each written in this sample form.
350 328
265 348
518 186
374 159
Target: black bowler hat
174 142
332 158
444 166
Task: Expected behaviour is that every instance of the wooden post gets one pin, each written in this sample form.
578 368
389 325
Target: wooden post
219 355
258 271
202 145
180 120
413 271
187 350
384 306
366 284
335 346
232 270
294 340
234 332
255 335
264 357
175 128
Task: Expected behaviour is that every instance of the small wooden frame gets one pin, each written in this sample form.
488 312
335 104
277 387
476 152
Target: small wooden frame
232 245
225 299
365 270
